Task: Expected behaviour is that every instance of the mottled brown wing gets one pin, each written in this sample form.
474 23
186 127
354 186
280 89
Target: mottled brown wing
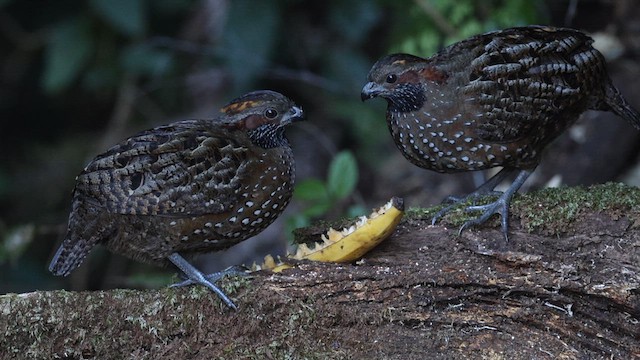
187 168
524 76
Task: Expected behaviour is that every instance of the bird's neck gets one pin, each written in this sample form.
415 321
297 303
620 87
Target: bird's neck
407 98
268 137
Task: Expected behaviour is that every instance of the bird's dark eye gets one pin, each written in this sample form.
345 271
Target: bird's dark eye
271 113
391 78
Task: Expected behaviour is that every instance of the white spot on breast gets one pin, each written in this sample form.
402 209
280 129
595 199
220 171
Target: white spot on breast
249 203
233 219
245 221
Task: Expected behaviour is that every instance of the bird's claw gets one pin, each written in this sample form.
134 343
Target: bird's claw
500 207
214 277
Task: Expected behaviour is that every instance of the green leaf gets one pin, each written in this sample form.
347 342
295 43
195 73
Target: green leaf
67 52
343 175
317 210
125 16
356 210
311 190
294 222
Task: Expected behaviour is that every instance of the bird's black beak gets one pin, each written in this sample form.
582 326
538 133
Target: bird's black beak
295 114
370 90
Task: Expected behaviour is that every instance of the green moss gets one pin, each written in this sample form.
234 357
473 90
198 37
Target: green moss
553 210
294 318
556 210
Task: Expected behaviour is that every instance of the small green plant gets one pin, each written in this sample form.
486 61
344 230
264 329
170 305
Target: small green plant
321 196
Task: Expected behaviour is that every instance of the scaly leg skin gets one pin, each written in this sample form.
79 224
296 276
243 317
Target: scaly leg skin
213 277
484 189
197 277
500 206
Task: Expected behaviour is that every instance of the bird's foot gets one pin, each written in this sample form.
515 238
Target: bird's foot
500 207
213 277
196 277
454 200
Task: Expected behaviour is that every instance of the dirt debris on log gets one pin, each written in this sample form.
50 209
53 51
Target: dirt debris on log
567 285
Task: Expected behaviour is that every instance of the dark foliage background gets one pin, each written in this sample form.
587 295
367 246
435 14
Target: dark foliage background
78 76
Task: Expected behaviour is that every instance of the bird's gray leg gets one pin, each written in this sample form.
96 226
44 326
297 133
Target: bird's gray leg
500 206
213 277
482 190
197 277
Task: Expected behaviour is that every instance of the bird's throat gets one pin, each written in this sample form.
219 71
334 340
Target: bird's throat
406 98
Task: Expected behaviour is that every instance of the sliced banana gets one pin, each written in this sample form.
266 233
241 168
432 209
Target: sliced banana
349 244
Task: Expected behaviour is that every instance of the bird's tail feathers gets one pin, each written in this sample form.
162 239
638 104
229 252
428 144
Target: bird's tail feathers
619 105
69 256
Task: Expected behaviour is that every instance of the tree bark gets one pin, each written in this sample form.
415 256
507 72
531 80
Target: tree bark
565 286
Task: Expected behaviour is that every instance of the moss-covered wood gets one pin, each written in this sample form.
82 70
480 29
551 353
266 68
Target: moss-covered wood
566 286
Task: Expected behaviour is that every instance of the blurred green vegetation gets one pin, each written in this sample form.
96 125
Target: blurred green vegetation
319 197
78 76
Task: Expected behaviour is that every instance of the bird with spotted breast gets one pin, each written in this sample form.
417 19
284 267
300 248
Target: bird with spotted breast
493 100
189 187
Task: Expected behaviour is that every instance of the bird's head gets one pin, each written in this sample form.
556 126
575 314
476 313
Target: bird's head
400 79
263 115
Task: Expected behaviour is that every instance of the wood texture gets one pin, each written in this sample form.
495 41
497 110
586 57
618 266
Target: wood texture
563 288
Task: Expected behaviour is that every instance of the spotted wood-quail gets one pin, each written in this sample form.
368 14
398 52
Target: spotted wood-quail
495 99
188 187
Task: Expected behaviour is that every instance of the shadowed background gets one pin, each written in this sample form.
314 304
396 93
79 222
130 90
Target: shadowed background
78 76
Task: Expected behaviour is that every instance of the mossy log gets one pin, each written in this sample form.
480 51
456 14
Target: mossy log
566 286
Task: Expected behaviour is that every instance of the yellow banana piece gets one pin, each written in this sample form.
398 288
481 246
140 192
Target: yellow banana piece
351 243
